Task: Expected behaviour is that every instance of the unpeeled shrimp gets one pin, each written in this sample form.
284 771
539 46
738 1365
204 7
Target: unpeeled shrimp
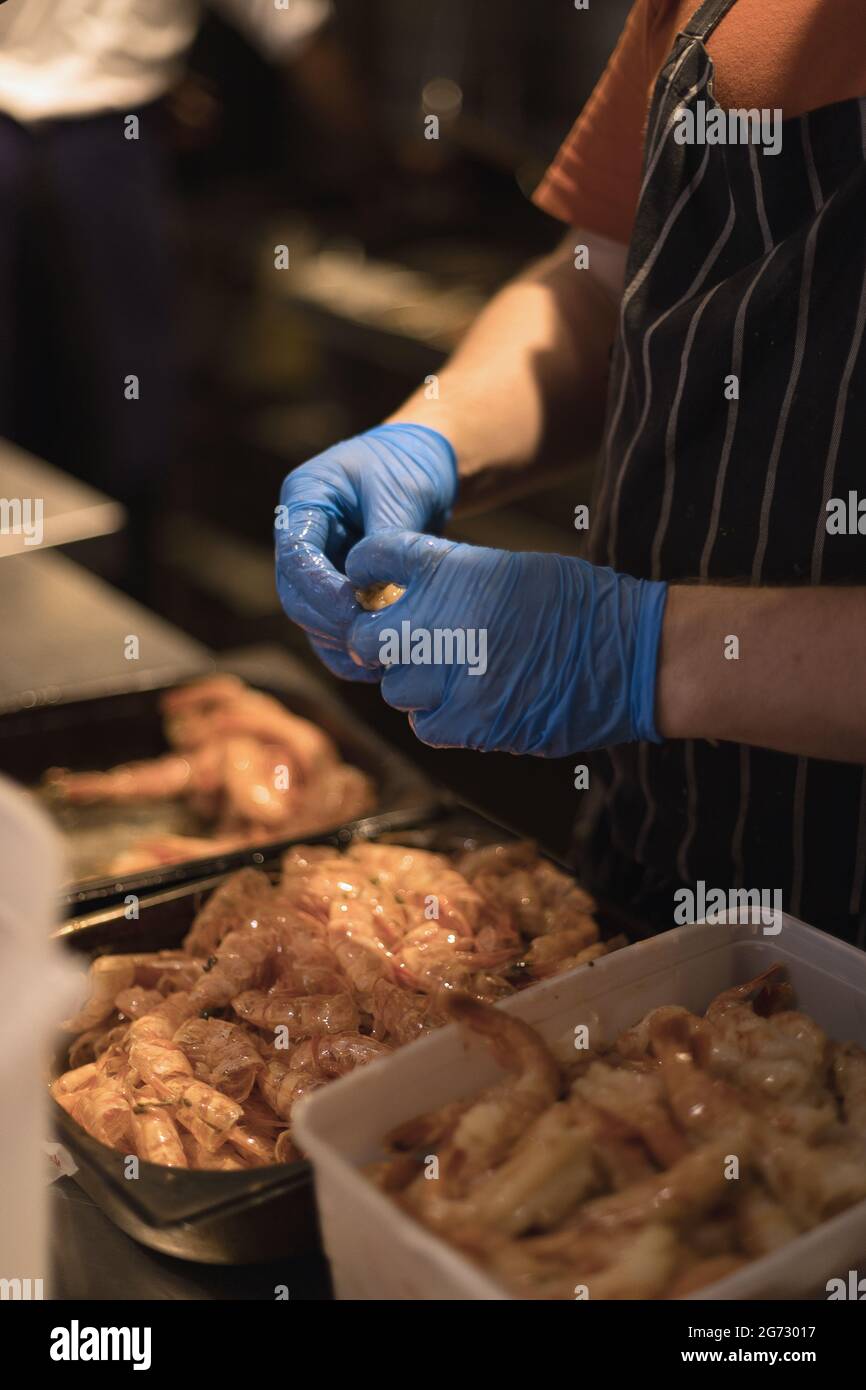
282 1086
336 1054
155 1132
234 903
242 961
221 1053
303 1016
100 1107
108 976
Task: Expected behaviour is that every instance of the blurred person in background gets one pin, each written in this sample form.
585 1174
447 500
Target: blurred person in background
84 199
706 316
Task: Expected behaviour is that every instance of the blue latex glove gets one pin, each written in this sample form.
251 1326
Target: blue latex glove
401 477
571 648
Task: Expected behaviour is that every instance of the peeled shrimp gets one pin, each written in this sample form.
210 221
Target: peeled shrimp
635 1097
378 596
782 1056
849 1072
486 1131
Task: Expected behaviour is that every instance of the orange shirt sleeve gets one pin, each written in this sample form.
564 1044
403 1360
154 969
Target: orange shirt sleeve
800 55
595 178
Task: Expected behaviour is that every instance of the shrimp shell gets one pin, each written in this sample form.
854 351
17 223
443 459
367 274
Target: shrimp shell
303 1016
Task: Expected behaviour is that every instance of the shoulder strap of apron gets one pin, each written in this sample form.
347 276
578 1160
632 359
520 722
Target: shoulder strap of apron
708 17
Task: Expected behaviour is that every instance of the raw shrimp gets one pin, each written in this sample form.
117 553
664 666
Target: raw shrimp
424 882
336 1054
255 1148
153 850
849 1073
485 1132
100 1107
705 1106
242 963
235 902
303 1016
207 1114
782 1056
548 952
252 784
155 1132
297 977
364 964
687 1190
75 1080
108 976
624 1264
378 596
763 1225
282 1086
399 1014
634 1043
222 1054
219 1160
537 895
635 1097
584 957
253 713
284 1149
553 1166
429 959
154 779
137 1000
90 1045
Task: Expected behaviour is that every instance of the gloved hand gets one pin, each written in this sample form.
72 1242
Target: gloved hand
564 652
400 477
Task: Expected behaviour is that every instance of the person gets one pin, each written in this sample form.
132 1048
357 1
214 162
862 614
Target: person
83 196
709 651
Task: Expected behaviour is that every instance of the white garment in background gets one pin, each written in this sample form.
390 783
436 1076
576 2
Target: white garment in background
79 57
38 987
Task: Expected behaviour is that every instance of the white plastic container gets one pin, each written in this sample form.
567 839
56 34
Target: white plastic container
378 1252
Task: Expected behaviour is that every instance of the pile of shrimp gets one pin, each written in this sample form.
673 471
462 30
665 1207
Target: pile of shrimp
247 769
196 1057
648 1169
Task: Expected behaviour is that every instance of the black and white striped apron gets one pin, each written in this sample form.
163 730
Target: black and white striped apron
751 265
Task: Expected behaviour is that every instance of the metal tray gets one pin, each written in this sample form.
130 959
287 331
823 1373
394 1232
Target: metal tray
100 732
228 1218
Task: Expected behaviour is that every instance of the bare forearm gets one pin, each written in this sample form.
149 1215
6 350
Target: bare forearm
775 668
525 389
